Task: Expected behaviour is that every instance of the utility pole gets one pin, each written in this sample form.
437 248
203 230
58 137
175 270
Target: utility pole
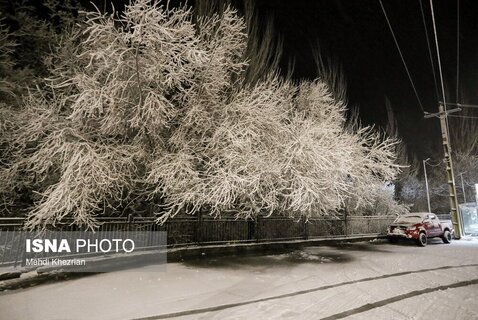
442 115
463 187
426 183
476 195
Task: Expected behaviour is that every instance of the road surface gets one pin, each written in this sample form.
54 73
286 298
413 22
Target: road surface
368 280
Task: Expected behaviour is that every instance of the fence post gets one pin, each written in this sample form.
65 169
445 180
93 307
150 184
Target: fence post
306 230
251 226
130 221
256 228
346 230
199 227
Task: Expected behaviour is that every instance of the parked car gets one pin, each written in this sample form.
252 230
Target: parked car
419 226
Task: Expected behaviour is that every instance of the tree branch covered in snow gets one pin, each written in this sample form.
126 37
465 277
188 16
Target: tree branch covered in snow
152 105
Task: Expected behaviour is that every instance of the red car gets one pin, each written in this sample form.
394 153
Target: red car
419 226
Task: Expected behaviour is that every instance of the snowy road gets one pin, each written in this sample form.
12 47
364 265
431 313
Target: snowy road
354 281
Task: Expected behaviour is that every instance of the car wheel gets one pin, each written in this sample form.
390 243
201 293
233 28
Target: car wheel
422 239
446 236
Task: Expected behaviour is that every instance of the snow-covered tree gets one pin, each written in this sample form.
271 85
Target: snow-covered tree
7 47
152 106
28 32
264 45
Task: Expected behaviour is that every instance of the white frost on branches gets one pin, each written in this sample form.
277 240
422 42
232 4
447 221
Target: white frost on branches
276 148
151 105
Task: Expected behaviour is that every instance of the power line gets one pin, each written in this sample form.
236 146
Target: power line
401 56
468 106
438 54
439 163
429 50
439 66
457 51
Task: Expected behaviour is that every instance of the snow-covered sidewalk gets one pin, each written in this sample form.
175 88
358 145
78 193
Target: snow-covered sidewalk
358 281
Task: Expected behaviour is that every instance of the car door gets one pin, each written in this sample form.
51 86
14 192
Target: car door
427 224
435 225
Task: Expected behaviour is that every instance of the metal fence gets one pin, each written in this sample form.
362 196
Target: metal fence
206 230
197 229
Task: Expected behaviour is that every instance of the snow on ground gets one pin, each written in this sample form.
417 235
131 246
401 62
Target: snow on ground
356 281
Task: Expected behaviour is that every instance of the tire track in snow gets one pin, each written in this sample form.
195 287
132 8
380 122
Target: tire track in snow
339 315
381 303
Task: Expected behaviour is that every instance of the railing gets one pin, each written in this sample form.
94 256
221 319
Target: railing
206 230
187 230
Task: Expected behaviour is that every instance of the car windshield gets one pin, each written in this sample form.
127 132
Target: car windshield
409 219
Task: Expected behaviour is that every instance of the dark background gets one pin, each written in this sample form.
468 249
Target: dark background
355 33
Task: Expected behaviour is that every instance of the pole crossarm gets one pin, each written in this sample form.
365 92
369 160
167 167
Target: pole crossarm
462 105
441 113
463 117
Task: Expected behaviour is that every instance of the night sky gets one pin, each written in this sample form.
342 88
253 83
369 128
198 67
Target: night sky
355 33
